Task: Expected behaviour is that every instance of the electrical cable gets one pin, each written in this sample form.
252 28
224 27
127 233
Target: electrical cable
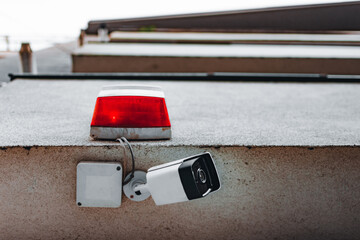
132 158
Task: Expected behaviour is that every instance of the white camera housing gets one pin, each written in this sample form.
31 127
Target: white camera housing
178 181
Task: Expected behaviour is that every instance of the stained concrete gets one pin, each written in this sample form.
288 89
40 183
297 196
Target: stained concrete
287 157
267 193
58 113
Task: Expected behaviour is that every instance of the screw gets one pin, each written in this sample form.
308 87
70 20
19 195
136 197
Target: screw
118 168
79 203
131 196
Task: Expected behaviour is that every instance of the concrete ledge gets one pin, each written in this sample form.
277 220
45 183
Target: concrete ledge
58 113
287 156
122 57
245 38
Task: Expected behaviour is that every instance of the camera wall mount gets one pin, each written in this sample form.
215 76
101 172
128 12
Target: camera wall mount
131 188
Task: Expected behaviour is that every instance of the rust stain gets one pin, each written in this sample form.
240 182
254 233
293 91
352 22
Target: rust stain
134 136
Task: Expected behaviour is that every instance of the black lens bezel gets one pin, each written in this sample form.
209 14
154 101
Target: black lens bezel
188 175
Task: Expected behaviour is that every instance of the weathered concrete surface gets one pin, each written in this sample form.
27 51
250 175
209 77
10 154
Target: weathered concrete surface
287 156
58 113
267 193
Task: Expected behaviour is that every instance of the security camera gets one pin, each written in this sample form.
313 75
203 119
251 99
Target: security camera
178 181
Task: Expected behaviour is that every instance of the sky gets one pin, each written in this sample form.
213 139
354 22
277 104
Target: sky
45 22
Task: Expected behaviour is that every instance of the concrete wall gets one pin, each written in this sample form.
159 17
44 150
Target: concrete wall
267 193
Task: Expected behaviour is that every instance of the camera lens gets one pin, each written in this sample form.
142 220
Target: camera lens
201 175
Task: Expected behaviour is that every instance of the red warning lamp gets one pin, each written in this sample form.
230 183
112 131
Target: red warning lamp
134 112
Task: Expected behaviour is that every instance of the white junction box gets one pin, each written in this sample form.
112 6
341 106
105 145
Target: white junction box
99 184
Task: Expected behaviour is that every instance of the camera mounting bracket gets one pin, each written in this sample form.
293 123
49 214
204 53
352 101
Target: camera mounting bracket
132 189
